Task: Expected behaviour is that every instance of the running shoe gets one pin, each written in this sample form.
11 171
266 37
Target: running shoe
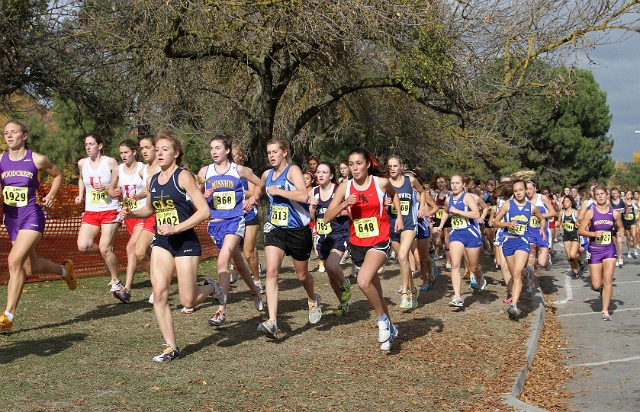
218 319
167 355
151 298
70 278
269 328
448 265
483 283
345 257
413 299
400 289
436 271
436 257
404 301
635 253
354 272
342 310
321 268
260 270
587 255
218 294
116 285
495 263
259 285
384 330
234 277
620 263
629 255
512 311
5 323
186 311
456 302
258 302
473 283
549 263
393 255
345 291
425 286
606 317
123 294
315 313
381 269
508 299
386 346
416 274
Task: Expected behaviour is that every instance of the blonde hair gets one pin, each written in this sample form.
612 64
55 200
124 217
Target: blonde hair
175 140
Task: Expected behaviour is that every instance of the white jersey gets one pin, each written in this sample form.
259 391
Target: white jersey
98 201
131 185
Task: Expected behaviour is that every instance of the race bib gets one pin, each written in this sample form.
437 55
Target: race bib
605 239
534 222
439 213
321 227
98 198
130 203
224 200
280 215
630 216
167 217
459 222
366 228
569 226
15 196
521 227
404 208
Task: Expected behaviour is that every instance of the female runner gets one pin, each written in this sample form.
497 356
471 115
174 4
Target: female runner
440 192
179 207
517 214
100 209
23 216
538 246
402 241
225 194
465 235
332 237
568 217
126 181
143 248
422 245
344 171
287 232
251 225
630 224
619 206
363 198
598 225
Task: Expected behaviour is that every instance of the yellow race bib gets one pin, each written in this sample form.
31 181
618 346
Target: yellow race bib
322 228
459 222
167 217
98 198
366 228
605 239
404 208
569 226
534 222
280 215
130 203
521 228
439 213
15 196
224 200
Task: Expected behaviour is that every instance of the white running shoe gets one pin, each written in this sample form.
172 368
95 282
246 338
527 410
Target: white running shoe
315 313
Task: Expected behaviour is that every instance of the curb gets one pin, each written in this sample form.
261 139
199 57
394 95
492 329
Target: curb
511 398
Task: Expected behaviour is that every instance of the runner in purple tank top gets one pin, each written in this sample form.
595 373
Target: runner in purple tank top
598 224
23 216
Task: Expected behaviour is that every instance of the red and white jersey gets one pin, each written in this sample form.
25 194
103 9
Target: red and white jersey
131 185
94 200
369 222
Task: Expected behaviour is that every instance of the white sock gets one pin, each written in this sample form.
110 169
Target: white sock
64 272
9 316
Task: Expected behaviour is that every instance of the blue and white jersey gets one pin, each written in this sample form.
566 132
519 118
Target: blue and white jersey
459 222
520 214
408 205
228 193
534 223
250 215
285 213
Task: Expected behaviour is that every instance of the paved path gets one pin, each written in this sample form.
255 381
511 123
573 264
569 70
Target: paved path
605 356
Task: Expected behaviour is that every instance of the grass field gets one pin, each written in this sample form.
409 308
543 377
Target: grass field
83 350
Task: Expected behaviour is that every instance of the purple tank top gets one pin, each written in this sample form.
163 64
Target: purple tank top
606 223
20 181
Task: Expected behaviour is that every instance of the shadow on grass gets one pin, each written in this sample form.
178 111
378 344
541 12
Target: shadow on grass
417 327
39 347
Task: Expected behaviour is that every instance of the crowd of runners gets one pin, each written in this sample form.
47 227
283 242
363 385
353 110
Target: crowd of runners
362 210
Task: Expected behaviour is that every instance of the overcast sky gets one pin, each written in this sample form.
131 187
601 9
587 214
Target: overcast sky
618 73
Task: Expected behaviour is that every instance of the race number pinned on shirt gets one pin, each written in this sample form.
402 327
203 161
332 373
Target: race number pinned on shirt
322 227
366 228
459 222
439 213
98 198
167 217
569 226
605 239
280 215
130 203
224 200
534 222
404 208
15 196
521 226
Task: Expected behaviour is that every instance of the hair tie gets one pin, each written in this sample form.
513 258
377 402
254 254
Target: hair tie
373 161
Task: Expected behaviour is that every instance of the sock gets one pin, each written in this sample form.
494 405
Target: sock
64 272
9 316
383 318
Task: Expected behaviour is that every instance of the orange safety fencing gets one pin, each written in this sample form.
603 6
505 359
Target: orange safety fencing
59 241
